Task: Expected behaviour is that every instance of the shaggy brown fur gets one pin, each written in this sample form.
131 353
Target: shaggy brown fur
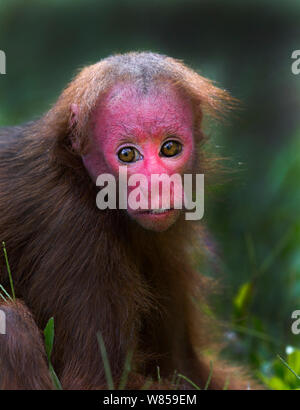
97 270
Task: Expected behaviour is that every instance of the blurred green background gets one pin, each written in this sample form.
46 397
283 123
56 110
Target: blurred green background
246 47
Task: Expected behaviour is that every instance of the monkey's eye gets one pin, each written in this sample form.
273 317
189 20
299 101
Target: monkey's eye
170 149
129 154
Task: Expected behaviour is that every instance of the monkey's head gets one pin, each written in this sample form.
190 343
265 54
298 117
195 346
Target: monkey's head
148 132
142 111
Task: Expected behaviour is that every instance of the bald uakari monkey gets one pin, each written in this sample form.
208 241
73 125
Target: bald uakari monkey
126 274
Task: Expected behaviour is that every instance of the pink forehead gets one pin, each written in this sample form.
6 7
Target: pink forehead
125 108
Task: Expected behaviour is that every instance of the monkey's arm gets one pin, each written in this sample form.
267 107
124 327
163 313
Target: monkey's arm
23 364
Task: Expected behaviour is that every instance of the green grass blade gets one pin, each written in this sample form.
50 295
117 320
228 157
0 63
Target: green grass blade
126 370
158 374
6 293
49 337
9 272
54 377
226 385
270 259
189 381
174 379
49 341
107 370
209 375
286 365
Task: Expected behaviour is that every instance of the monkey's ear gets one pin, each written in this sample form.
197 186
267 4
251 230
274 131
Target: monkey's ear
74 114
74 111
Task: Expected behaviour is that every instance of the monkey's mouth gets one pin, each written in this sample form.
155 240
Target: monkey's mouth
156 219
161 211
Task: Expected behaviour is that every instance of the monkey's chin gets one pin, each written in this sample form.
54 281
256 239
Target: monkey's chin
155 221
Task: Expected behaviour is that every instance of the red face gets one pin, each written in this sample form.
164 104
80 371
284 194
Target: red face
150 133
